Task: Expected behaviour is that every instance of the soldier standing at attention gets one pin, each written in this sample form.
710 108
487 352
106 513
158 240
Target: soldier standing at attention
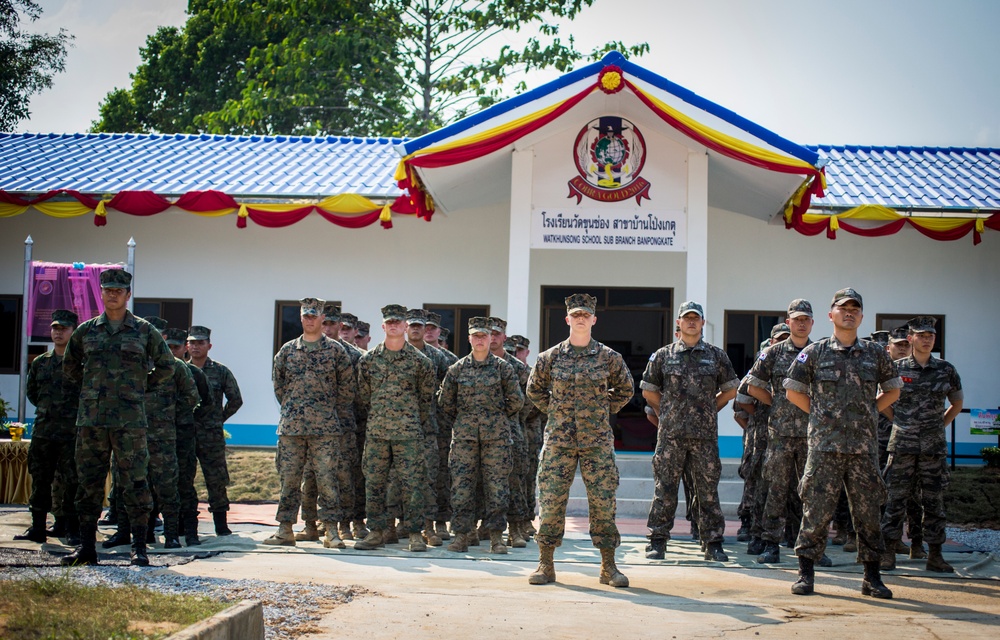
917 446
442 485
836 381
211 442
578 384
362 336
313 383
481 395
687 383
114 358
396 383
53 436
349 327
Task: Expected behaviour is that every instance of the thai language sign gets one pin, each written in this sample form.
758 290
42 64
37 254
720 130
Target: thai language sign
626 230
984 422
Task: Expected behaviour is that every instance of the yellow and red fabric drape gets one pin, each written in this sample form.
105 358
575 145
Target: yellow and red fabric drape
886 222
347 210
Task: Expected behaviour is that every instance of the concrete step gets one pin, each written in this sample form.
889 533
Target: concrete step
640 465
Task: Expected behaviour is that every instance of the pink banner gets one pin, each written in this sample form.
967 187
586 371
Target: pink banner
62 286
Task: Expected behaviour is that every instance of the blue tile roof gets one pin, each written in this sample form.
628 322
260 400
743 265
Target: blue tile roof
248 166
911 178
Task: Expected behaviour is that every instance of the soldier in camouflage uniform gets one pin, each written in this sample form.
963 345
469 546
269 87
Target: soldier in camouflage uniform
442 486
480 394
53 435
114 358
396 383
314 384
349 327
363 336
210 446
353 332
755 489
443 339
578 384
534 429
687 383
917 446
187 435
836 381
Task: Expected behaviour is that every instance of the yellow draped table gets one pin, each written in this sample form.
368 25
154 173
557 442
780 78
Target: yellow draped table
15 482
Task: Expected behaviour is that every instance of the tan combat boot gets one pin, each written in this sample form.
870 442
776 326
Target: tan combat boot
902 549
309 533
441 529
359 530
460 544
515 538
284 536
851 545
372 541
474 538
330 539
417 543
496 542
430 537
888 559
936 562
609 572
344 529
546 571
917 549
391 534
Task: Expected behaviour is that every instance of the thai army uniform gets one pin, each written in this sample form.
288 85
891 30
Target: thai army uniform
688 379
917 447
482 399
53 440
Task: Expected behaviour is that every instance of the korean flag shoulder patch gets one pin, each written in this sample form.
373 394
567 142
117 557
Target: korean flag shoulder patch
802 357
763 355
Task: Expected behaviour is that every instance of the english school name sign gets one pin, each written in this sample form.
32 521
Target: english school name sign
608 229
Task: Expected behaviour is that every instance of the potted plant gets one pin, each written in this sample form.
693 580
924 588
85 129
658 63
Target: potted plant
5 407
992 457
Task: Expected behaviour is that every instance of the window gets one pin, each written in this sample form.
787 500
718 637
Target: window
889 321
177 312
455 317
287 322
10 334
744 332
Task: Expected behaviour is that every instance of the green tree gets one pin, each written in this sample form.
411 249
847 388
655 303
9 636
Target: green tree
439 38
265 67
27 61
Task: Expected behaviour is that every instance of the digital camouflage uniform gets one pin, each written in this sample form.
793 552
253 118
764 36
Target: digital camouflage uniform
786 444
688 379
443 482
114 370
314 384
396 387
482 400
755 488
518 509
578 390
187 441
842 384
211 439
917 447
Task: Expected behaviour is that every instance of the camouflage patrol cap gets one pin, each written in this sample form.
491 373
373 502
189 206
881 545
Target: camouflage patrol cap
389 312
922 324
434 318
690 307
198 332
311 306
899 333
64 318
520 341
764 344
880 337
779 329
175 337
349 320
844 295
331 313
445 332
363 328
116 279
581 302
480 324
498 324
510 346
800 307
158 322
416 316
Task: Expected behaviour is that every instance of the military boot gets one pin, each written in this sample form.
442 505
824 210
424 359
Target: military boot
771 555
609 572
344 530
840 537
58 529
150 535
888 559
417 543
546 571
656 549
191 530
474 537
807 578
221 524
496 542
170 538
756 546
36 532
872 584
359 530
86 553
429 536
743 535
73 531
330 539
138 555
441 529
372 541
529 529
460 544
917 549
120 537
515 538
391 535
936 562
851 544
309 533
714 552
902 549
284 537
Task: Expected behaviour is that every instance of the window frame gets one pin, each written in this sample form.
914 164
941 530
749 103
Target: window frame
757 328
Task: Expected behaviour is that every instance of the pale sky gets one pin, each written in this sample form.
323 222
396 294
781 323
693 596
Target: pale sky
878 72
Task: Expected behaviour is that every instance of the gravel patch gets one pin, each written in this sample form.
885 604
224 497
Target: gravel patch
290 609
985 540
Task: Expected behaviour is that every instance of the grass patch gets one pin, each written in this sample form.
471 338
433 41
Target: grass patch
56 608
252 476
973 497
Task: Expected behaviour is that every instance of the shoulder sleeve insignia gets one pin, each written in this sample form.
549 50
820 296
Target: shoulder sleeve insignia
802 357
763 356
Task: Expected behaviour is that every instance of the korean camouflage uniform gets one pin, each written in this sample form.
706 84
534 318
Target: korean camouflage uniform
314 384
755 489
578 390
842 383
688 379
481 399
112 367
211 439
917 446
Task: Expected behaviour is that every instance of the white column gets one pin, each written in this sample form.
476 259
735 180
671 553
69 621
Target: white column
519 255
697 228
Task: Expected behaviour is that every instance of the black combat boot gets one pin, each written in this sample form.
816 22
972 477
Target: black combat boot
120 537
138 555
656 549
221 527
872 584
86 553
743 535
150 535
771 555
58 529
807 577
73 531
714 552
191 529
36 532
170 538
756 546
